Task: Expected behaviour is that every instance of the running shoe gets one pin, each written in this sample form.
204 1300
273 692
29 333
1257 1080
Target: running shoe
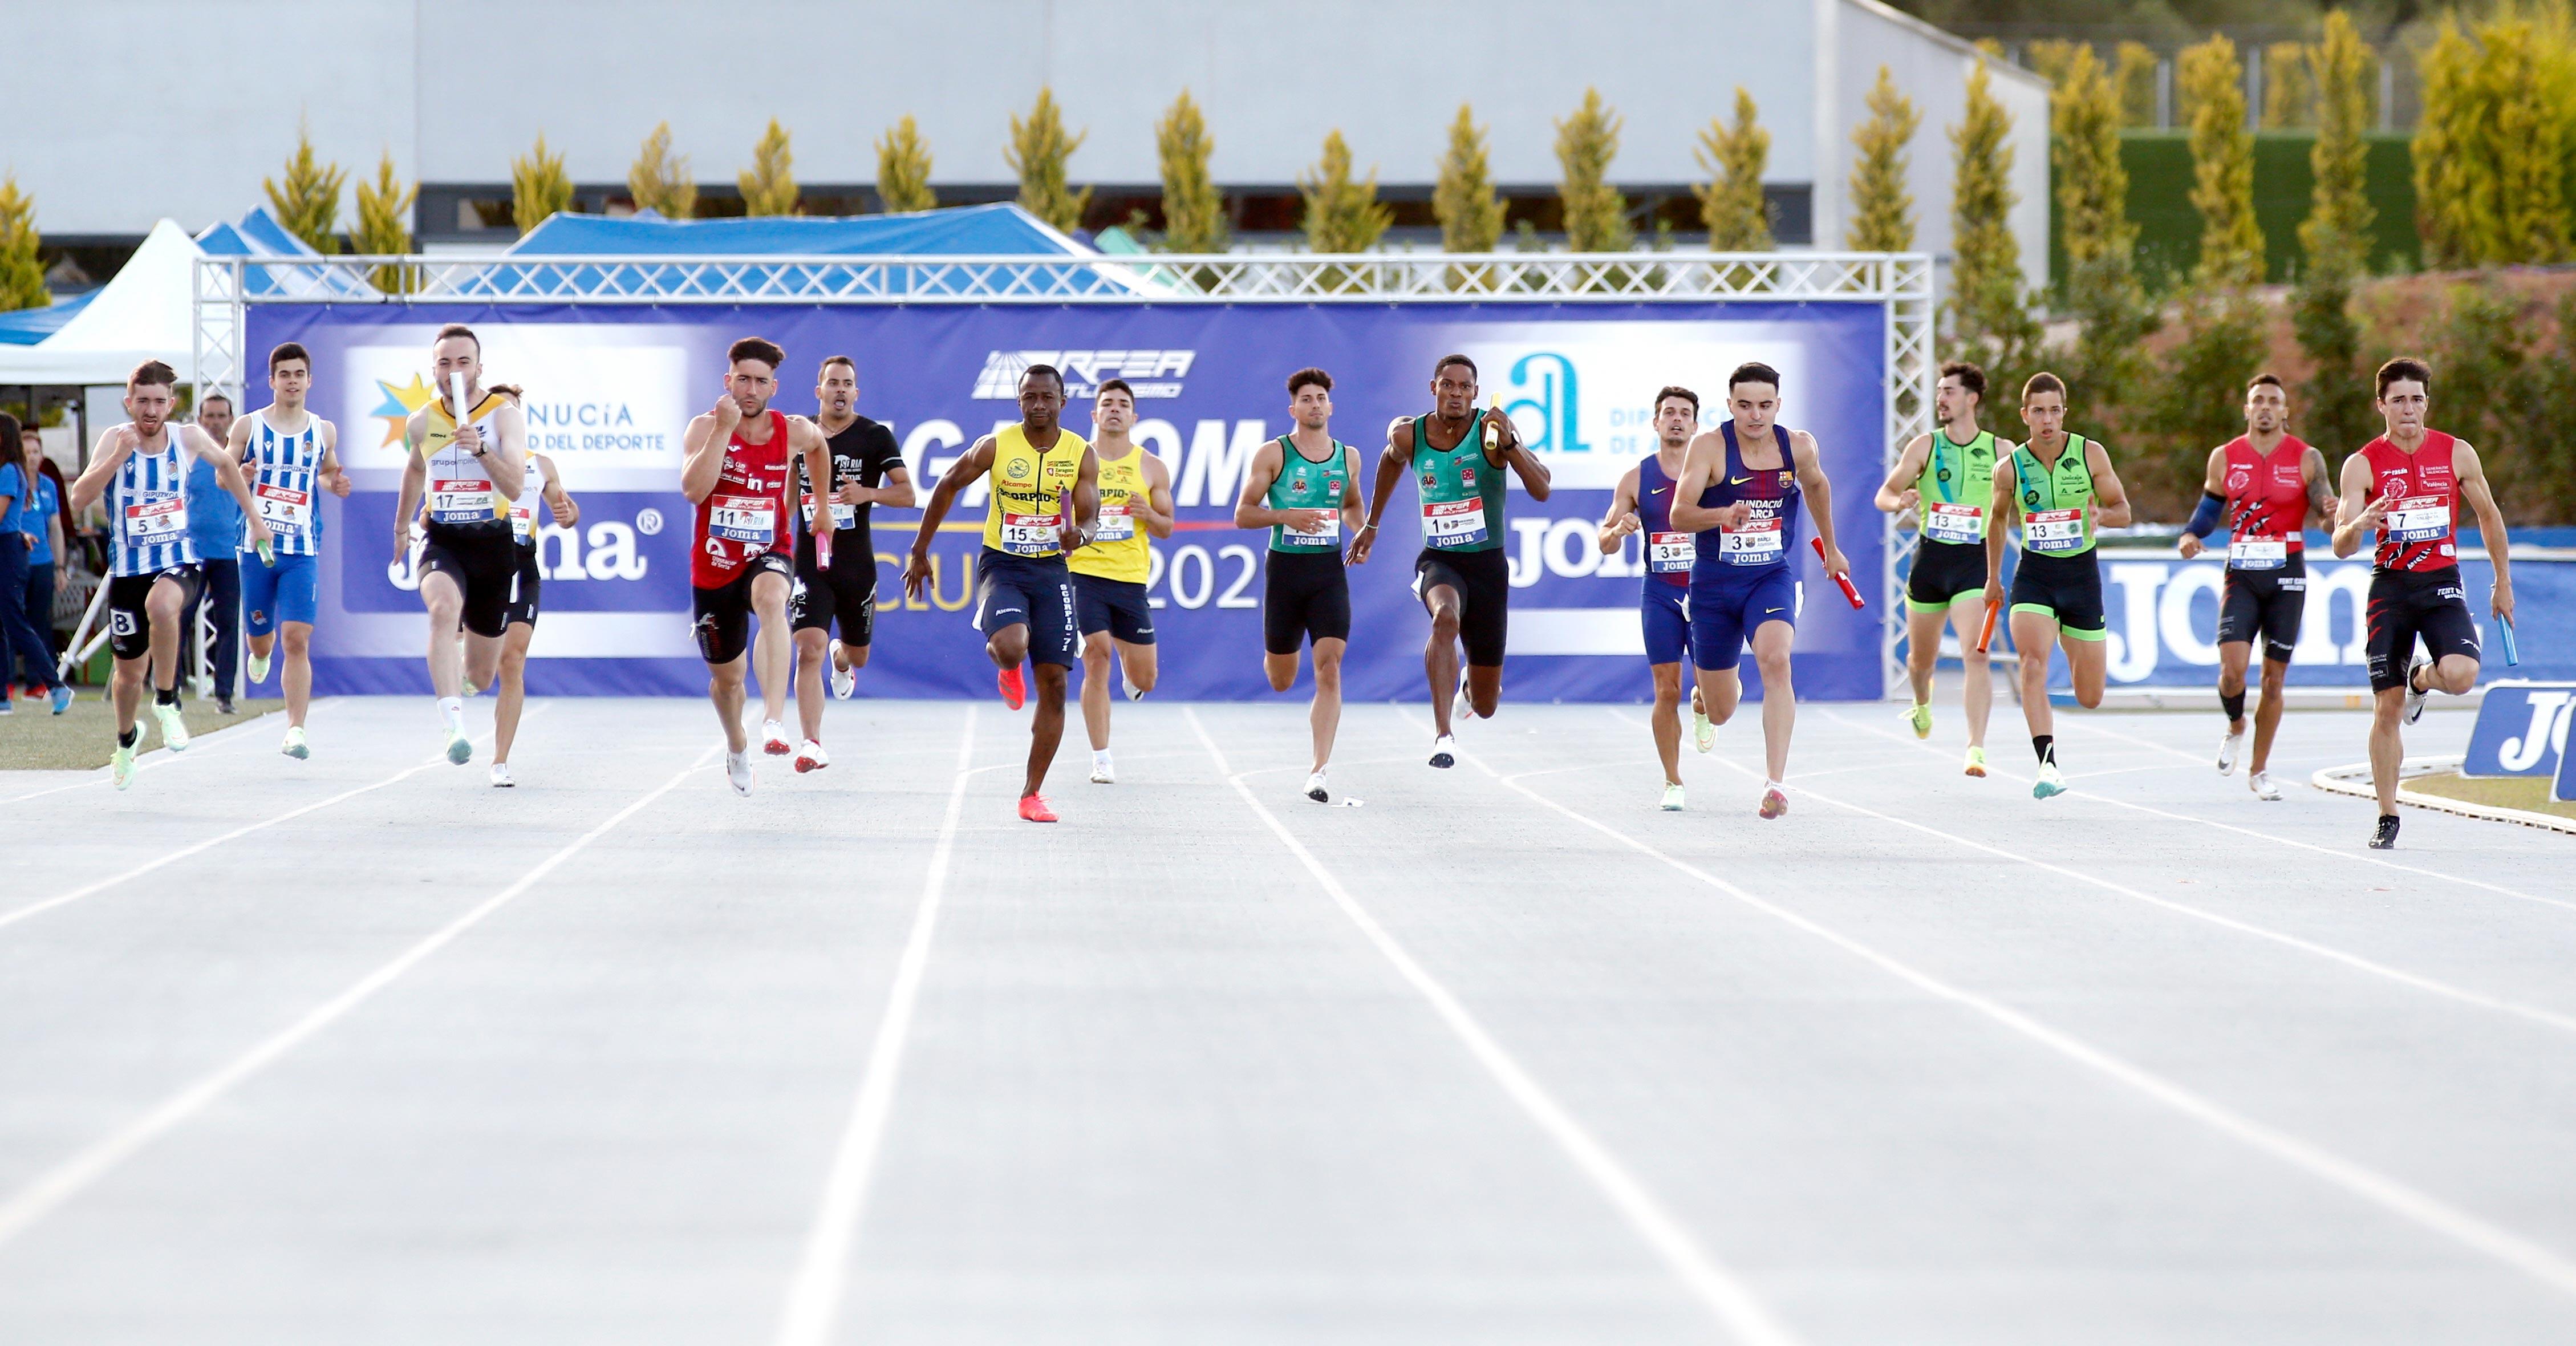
121 766
223 705
1103 771
501 777
1034 809
1703 732
2051 781
1134 692
1774 801
174 731
845 680
460 749
1015 689
773 739
2414 698
1443 752
62 698
738 772
470 690
1921 718
1976 763
1462 708
1315 789
2227 748
294 746
2261 783
811 756
2385 837
259 668
1672 799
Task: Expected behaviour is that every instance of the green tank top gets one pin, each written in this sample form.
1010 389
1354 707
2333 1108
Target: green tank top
1303 483
2056 502
1957 485
1462 494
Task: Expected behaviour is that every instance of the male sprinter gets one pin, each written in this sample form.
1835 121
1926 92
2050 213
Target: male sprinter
1947 477
2269 479
519 621
867 470
1109 575
286 451
1739 490
1461 575
1305 488
1644 503
142 469
473 461
735 467
2065 489
2407 485
1045 502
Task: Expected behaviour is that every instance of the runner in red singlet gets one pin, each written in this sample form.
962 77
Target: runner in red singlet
736 468
2406 486
2268 481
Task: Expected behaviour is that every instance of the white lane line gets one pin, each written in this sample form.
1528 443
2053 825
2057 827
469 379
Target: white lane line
2348 855
212 745
2388 1193
814 1294
1745 1316
70 1178
2415 981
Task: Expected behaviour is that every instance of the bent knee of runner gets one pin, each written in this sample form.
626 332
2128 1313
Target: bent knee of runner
1008 646
856 654
1280 670
1486 694
1444 622
2455 674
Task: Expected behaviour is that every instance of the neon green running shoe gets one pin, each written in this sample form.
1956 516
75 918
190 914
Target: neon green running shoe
174 730
1672 799
1921 718
259 668
1976 763
1703 734
460 749
2050 782
121 766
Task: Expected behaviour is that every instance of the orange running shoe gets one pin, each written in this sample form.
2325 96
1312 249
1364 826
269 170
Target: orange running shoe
1034 809
1015 691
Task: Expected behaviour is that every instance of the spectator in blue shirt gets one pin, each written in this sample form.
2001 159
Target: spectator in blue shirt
21 639
215 525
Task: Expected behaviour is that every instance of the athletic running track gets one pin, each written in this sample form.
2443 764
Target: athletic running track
362 1050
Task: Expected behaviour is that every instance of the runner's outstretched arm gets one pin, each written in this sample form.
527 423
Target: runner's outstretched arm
415 477
2213 505
960 475
1996 518
1819 490
2472 476
1390 467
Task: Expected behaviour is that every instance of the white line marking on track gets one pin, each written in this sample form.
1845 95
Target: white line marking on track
2352 856
2385 1192
213 744
814 1294
2562 1022
70 1178
1713 1285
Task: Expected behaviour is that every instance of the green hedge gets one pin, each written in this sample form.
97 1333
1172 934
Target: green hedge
2159 164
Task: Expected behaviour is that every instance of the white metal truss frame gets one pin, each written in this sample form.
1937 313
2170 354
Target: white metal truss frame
224 289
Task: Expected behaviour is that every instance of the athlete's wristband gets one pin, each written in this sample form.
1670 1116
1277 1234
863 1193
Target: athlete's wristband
2204 520
1368 526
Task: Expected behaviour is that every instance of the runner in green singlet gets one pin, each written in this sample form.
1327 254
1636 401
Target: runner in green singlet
1947 477
1304 487
1462 576
2063 489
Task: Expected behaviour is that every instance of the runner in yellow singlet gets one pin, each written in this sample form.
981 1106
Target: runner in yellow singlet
1109 604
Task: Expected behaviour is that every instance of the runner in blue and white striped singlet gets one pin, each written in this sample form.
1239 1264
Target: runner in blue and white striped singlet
288 453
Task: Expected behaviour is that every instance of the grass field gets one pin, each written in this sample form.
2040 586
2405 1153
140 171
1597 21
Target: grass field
2528 793
82 738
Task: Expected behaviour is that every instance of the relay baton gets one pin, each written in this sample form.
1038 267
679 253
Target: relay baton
1986 633
1842 579
2504 628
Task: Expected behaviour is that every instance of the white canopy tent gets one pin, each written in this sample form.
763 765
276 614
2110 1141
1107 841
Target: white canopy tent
142 314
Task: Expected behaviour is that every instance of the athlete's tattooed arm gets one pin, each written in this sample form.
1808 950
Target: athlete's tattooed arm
1809 462
2320 483
1391 465
2358 515
960 475
2475 489
1622 518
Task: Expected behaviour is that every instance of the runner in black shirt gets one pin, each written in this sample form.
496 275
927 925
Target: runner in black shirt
867 469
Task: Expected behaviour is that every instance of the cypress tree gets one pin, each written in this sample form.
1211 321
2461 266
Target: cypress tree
2335 411
308 202
1731 203
659 181
2102 289
1342 214
1038 152
384 223
1193 209
538 186
903 168
2447 137
769 185
1989 305
1882 210
1464 200
22 268
2222 165
1596 214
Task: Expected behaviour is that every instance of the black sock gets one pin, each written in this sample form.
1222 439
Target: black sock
2234 705
126 739
2046 746
165 696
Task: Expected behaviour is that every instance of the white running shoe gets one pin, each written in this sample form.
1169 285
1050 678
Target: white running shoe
2227 749
2261 783
811 756
1315 789
1134 692
773 739
2415 699
845 681
259 668
738 771
1462 708
1103 771
174 731
501 777
2050 781
1444 751
1703 732
1672 798
295 746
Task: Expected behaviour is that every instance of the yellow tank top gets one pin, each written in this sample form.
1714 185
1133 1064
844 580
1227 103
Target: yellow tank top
1118 549
1028 491
461 493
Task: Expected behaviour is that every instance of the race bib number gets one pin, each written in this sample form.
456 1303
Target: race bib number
750 520
1760 541
1453 523
460 501
2052 531
1670 553
843 516
2258 553
2418 519
157 520
1954 523
282 508
1115 524
1028 534
1330 535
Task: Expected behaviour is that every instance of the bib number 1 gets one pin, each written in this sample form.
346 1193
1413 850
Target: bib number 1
1453 523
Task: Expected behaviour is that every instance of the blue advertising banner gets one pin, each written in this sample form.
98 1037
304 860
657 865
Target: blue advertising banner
2521 730
610 391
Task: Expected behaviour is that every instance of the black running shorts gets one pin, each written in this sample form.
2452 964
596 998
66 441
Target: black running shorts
845 595
2266 604
1483 580
481 561
2411 605
129 621
724 612
1304 597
